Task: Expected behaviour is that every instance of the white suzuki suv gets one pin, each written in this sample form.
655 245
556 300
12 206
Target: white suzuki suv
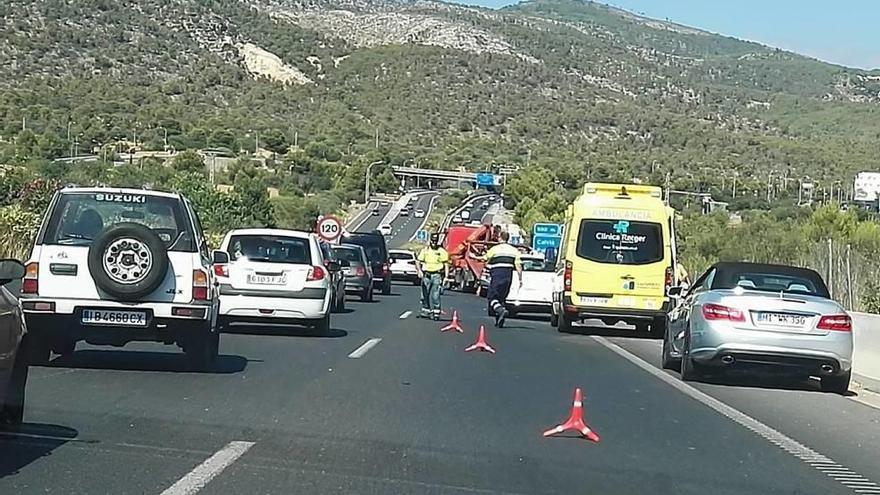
112 266
275 276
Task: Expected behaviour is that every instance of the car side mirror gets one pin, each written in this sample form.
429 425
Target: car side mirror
220 257
10 270
676 291
334 266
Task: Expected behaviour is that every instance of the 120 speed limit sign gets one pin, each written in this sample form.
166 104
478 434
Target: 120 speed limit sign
329 228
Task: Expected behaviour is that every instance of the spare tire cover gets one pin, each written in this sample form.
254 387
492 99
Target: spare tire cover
128 261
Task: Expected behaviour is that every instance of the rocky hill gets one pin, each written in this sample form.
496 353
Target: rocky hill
552 80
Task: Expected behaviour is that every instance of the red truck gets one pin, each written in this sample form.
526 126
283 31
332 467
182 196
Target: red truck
464 243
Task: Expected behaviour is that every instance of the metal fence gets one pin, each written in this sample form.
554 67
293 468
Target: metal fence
852 276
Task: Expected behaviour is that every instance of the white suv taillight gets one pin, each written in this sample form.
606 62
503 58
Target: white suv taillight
316 273
836 323
31 282
199 285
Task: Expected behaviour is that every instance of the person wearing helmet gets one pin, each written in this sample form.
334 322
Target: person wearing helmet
432 266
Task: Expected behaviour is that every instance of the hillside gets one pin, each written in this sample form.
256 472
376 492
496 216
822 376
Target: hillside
584 89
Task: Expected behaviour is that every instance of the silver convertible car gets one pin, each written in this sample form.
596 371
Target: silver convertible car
756 316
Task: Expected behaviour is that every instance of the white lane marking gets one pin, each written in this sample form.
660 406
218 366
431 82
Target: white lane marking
367 213
405 315
50 375
196 479
809 456
366 346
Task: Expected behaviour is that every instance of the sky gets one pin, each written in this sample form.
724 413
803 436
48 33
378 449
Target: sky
845 32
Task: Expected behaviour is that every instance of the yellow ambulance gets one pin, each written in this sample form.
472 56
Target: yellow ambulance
617 258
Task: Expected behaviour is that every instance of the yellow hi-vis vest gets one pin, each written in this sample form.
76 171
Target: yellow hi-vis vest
433 260
502 256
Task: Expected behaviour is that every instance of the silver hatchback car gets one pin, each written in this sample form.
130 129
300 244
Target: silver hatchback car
748 315
358 273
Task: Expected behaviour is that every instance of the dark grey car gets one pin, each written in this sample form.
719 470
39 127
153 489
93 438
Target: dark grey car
359 274
13 362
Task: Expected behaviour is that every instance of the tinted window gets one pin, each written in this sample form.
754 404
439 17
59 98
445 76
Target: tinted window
774 282
348 254
373 244
78 218
329 254
270 249
620 242
401 256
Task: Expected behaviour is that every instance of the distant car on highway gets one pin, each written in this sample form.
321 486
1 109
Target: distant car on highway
377 252
358 273
112 266
385 229
456 218
276 276
760 317
375 212
13 358
404 212
465 214
419 213
403 266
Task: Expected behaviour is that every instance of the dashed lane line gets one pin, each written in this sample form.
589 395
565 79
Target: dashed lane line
366 346
196 479
821 463
405 315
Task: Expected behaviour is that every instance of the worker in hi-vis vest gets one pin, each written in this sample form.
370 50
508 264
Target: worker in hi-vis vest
432 266
501 260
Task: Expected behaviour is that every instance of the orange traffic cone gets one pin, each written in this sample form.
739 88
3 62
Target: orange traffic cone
481 344
575 420
454 324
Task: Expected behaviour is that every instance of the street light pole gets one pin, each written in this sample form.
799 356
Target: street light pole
367 181
69 142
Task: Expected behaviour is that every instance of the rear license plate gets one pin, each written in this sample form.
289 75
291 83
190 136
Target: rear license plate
267 279
594 301
116 318
782 319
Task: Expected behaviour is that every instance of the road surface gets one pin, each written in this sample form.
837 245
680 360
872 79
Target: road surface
367 222
293 413
404 228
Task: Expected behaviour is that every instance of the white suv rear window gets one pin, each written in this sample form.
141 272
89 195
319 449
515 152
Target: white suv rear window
78 218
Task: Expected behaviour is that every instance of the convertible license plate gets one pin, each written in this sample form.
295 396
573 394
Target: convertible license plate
257 279
782 319
115 318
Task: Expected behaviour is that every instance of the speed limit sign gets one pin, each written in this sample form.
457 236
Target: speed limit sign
329 228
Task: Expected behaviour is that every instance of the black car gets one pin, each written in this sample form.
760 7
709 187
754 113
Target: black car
377 252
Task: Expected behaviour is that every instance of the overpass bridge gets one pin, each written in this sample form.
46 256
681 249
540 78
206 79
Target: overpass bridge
476 178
